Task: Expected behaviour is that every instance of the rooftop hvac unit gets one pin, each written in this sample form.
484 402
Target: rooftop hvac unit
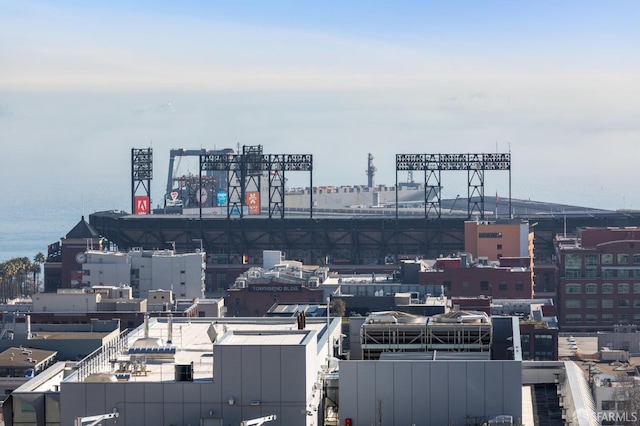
184 373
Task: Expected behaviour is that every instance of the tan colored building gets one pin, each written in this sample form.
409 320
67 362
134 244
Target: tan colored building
501 238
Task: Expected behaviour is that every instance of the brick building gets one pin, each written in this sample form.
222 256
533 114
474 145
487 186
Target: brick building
510 278
598 278
539 341
497 239
255 300
63 268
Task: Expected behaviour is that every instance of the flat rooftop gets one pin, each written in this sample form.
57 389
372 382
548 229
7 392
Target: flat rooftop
68 335
191 345
262 338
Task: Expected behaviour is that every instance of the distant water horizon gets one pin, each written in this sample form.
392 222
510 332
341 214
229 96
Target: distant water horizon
28 228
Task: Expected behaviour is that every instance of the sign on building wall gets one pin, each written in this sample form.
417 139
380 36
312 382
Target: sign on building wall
142 204
275 288
221 198
253 202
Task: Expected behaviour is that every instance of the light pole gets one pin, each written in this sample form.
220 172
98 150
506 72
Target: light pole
328 331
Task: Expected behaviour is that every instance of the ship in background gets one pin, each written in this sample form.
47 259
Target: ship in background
185 190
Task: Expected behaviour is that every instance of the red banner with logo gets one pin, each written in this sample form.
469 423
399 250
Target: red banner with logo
253 202
142 204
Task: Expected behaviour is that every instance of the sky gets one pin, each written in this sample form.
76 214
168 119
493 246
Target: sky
557 84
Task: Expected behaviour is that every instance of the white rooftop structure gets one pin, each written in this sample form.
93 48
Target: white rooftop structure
197 371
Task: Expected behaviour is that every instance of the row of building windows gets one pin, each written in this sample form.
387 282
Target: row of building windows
484 286
604 273
575 260
604 303
622 318
605 288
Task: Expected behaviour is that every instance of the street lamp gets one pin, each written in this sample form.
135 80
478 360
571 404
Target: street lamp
328 332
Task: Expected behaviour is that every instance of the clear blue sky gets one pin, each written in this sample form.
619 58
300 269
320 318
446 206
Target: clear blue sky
557 82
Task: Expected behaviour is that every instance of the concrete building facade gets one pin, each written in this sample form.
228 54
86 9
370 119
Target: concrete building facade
429 392
146 270
213 373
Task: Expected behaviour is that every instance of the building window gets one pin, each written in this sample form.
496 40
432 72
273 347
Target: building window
636 288
636 259
591 288
623 303
590 272
623 259
607 273
607 317
608 405
606 259
591 303
573 289
623 273
208 282
519 286
591 260
573 303
636 318
484 285
490 235
572 273
636 273
572 265
499 247
502 286
591 318
623 318
607 303
623 288
573 318
607 288
465 285
573 260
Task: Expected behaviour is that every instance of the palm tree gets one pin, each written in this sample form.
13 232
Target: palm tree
38 260
9 271
24 268
3 277
35 270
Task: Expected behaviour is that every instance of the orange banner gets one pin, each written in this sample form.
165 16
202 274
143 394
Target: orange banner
253 202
